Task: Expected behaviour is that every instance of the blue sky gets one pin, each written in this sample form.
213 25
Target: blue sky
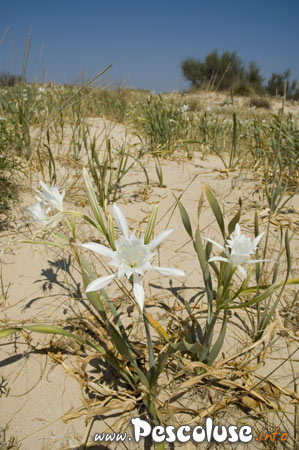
145 40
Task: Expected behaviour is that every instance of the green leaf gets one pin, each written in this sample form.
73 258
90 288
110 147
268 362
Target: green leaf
50 329
204 267
111 233
119 342
93 297
151 225
89 220
212 355
93 202
185 218
266 293
185 346
267 316
232 224
256 233
96 301
216 209
200 251
8 331
161 363
288 252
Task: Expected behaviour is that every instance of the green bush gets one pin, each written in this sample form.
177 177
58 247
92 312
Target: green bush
253 76
259 102
243 88
221 72
227 72
8 79
280 84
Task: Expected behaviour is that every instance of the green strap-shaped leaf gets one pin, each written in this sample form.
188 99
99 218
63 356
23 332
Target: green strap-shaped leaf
50 329
267 290
111 234
151 224
93 202
216 209
200 251
267 316
94 297
212 355
232 224
8 331
185 218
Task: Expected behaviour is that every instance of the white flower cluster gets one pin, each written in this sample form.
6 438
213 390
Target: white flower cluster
49 197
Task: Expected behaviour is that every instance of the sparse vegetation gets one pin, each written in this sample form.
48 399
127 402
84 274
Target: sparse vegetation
171 356
163 124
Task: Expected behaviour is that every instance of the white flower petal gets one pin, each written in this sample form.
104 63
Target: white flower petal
158 239
256 241
100 283
219 258
51 196
242 270
120 220
237 231
215 243
37 213
169 271
138 291
45 187
98 248
121 270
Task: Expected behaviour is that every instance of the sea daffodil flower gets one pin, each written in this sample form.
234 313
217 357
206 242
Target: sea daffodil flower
184 108
50 196
37 213
131 258
241 247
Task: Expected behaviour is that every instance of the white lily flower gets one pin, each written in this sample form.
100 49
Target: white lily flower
131 258
184 108
241 247
51 196
37 213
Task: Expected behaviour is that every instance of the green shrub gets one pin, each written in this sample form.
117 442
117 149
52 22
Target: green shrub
260 102
242 88
8 79
253 76
219 72
280 84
